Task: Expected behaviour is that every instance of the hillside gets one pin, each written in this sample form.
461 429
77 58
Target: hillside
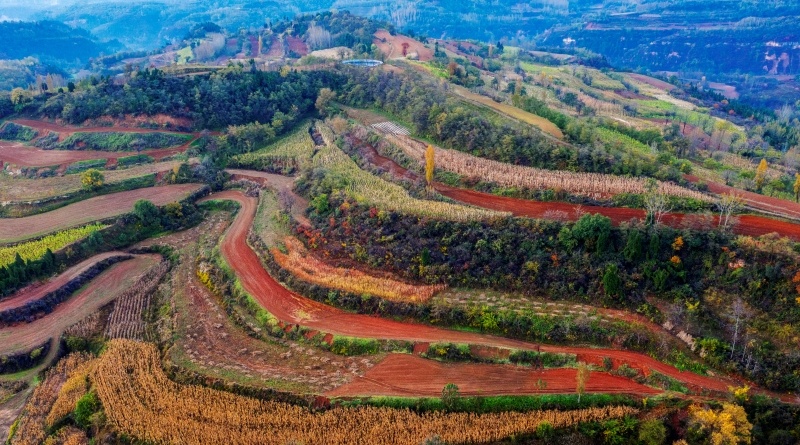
255 236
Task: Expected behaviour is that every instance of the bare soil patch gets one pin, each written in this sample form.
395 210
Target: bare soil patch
392 46
653 82
90 210
391 377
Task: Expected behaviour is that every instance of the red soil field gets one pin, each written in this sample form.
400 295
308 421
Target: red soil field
101 291
94 209
748 224
291 308
660 84
297 45
778 206
275 48
392 46
39 290
64 131
25 156
391 377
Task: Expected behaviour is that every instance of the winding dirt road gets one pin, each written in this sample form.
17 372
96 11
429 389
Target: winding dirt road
294 309
14 230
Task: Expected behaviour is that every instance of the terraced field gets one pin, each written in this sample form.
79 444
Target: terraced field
90 210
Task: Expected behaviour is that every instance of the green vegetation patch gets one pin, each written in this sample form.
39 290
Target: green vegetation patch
15 132
80 166
495 404
116 141
127 161
34 250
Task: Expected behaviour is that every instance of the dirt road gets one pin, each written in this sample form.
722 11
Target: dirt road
294 309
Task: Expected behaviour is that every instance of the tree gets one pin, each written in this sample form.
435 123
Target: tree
761 174
727 206
326 95
581 378
797 187
739 313
656 203
429 165
450 395
92 179
612 283
652 432
728 426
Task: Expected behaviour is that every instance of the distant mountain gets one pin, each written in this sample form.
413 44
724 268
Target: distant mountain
50 41
665 35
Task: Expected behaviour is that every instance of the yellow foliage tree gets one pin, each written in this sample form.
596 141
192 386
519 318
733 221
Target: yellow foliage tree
797 187
728 426
581 378
761 173
92 179
429 165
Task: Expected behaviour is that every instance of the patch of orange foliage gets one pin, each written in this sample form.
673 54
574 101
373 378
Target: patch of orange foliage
305 266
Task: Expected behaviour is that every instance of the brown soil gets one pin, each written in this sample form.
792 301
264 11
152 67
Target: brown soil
21 155
210 341
280 185
297 45
392 377
275 48
392 46
39 290
93 209
631 95
660 84
101 291
292 308
65 130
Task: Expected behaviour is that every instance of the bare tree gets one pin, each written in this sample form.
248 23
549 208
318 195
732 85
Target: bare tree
728 205
739 313
656 203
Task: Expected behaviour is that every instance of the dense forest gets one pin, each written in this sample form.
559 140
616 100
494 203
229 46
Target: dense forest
234 96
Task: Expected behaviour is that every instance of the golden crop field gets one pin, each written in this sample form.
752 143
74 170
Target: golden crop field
366 187
308 268
140 401
596 185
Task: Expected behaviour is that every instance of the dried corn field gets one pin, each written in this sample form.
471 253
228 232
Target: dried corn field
300 263
32 427
594 185
366 187
142 402
126 321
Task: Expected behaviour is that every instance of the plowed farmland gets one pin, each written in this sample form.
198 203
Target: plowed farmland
292 308
94 209
101 291
24 189
22 155
391 377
